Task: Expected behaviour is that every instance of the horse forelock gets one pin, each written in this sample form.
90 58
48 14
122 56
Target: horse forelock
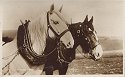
38 32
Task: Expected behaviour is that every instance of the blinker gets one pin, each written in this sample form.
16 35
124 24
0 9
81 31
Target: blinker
78 31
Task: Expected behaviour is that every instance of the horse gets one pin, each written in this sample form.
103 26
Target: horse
46 36
84 35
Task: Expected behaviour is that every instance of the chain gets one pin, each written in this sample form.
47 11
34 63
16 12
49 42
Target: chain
10 61
61 60
17 53
5 58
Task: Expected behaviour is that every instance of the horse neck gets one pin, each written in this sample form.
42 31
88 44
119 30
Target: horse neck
83 44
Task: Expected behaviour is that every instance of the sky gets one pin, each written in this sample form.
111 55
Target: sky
108 14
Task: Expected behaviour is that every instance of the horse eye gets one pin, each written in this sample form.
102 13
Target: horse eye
55 22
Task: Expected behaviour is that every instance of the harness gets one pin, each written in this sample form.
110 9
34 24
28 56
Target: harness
91 47
27 51
24 45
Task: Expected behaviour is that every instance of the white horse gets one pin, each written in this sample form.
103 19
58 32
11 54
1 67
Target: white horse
13 63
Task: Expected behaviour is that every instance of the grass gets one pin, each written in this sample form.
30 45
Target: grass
104 66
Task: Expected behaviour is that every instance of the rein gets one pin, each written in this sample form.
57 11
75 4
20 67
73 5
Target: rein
61 59
16 53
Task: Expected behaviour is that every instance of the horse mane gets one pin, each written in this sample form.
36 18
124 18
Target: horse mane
38 33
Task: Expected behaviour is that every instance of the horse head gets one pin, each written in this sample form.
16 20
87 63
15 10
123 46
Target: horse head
85 35
91 36
58 27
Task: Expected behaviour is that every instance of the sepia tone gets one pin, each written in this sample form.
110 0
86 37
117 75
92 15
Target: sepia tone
107 19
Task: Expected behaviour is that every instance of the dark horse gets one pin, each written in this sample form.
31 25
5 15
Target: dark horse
85 36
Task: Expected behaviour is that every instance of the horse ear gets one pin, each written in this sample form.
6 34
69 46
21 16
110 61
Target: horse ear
91 20
86 19
52 8
60 9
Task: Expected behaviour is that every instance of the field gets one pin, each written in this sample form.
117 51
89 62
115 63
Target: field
104 66
110 63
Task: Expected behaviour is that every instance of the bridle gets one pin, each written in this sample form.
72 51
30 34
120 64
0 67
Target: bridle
61 59
58 36
95 45
89 42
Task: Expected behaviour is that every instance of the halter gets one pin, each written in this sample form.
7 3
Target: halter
61 57
91 47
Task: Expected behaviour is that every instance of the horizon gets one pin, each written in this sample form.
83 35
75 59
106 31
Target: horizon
108 14
13 32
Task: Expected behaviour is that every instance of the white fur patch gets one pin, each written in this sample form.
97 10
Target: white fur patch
98 52
51 34
95 35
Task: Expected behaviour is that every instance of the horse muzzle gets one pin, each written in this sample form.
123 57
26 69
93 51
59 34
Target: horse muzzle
97 53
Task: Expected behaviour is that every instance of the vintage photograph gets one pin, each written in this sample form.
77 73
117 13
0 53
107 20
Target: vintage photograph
62 37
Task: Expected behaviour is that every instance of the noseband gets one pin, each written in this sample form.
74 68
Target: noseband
92 47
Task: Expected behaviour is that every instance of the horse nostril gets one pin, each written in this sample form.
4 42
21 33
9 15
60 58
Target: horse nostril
95 59
69 43
98 55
